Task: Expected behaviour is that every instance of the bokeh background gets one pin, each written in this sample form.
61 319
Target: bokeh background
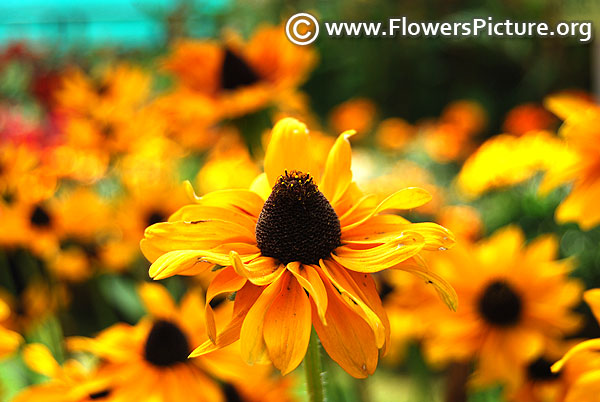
422 107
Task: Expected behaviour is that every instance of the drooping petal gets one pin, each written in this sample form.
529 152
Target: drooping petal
244 300
287 150
310 280
347 338
366 284
252 342
226 281
591 344
260 271
338 174
355 298
442 287
287 326
436 237
178 262
380 257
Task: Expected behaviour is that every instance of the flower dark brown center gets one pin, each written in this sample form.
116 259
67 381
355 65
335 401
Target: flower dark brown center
540 370
40 218
154 216
236 72
166 345
297 223
100 395
500 305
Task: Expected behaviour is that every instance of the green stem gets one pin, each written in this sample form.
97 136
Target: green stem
313 366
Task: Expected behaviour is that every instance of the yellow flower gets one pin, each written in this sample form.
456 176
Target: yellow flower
582 362
287 236
149 361
241 77
515 302
71 382
506 160
581 133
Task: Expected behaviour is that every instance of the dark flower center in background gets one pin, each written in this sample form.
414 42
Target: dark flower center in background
297 223
500 305
166 344
39 217
231 394
539 370
154 216
100 395
236 72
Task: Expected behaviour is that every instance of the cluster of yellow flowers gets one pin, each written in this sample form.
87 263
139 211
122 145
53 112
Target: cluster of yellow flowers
293 236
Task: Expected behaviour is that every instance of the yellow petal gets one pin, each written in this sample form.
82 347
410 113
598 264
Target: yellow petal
591 344
338 174
261 186
9 341
442 287
157 300
287 150
195 212
347 338
226 281
179 261
380 257
345 285
261 271
252 343
244 300
287 326
407 198
39 359
592 298
310 280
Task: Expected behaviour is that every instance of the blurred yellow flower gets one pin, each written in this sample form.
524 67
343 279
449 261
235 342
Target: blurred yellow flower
241 77
71 382
581 132
515 303
9 340
149 361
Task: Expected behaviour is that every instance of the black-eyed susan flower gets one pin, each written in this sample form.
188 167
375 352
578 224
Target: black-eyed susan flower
516 302
581 364
582 135
241 77
71 382
298 249
149 361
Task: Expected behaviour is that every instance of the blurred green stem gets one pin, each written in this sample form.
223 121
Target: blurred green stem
313 366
